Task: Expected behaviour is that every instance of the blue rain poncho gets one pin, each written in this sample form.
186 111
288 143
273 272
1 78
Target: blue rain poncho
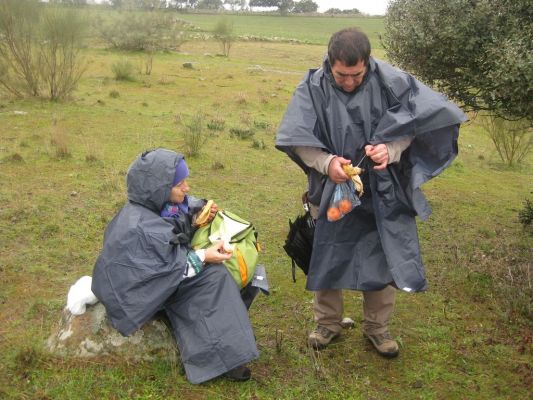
377 243
140 271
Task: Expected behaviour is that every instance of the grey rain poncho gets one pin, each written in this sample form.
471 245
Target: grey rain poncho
377 243
140 272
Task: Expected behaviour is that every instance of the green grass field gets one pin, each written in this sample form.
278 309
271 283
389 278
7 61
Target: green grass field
62 169
312 30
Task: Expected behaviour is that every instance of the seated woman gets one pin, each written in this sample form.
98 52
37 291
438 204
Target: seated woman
146 265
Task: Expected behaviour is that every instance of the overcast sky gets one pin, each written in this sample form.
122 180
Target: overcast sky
372 7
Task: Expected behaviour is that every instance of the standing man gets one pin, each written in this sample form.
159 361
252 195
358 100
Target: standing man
361 111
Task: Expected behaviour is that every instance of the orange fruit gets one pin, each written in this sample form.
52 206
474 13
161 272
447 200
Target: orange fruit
334 214
345 206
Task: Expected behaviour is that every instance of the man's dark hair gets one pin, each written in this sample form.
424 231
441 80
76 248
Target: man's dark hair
350 46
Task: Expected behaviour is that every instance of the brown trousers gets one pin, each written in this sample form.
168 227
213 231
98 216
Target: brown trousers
377 305
377 309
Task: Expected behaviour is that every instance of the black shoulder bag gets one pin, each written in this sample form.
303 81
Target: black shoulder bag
299 242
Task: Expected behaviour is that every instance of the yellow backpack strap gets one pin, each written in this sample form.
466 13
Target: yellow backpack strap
242 267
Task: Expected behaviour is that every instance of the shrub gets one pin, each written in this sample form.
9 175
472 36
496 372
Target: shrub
513 139
134 30
525 216
223 32
60 62
39 49
123 70
194 135
19 69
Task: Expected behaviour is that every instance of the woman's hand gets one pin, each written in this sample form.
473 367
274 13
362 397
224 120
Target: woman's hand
212 212
216 254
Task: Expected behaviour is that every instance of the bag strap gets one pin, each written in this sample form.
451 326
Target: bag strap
293 271
305 201
243 268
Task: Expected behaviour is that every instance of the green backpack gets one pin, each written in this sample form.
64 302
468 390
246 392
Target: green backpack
241 234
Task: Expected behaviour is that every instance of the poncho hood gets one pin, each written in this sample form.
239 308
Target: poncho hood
150 177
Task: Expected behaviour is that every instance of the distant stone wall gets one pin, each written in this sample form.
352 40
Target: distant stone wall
91 334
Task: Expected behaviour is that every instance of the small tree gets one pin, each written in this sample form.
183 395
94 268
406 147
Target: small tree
19 24
478 52
512 139
305 6
60 62
223 32
39 47
142 31
284 6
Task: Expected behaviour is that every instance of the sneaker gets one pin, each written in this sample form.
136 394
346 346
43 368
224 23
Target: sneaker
239 374
384 344
321 337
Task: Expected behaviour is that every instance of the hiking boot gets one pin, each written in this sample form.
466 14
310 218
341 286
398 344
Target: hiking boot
321 337
384 344
239 374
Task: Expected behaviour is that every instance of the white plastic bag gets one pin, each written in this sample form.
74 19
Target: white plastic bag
79 295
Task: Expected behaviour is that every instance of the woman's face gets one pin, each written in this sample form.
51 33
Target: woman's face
178 192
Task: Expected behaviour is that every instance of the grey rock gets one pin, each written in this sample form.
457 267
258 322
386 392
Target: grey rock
91 335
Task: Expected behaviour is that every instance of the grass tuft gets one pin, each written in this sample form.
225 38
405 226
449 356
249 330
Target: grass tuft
60 142
216 124
242 132
14 158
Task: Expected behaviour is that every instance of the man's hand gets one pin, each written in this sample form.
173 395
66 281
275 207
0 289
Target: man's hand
379 154
216 254
335 171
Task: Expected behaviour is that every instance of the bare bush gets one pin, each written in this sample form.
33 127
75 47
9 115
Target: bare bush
59 54
39 50
513 139
19 70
